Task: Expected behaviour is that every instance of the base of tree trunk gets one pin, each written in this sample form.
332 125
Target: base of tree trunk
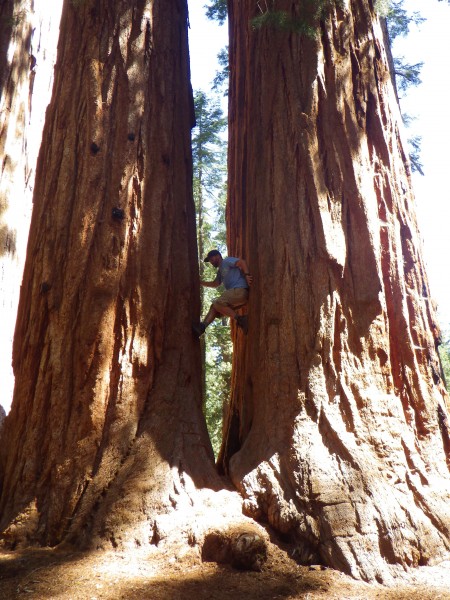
342 511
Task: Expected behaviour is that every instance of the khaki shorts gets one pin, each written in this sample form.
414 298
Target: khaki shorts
234 298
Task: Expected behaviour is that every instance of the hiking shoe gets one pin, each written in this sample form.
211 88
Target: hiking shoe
198 329
242 323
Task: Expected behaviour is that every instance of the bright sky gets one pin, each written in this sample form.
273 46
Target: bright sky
206 39
430 43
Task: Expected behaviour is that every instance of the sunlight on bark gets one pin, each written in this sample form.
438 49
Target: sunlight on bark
22 113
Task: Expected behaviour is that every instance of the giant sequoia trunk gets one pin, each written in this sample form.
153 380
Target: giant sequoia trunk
106 430
338 432
26 66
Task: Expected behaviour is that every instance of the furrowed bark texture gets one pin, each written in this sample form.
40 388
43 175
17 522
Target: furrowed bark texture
25 67
106 430
337 433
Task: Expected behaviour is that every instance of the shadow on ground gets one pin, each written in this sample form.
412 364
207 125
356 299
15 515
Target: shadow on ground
135 575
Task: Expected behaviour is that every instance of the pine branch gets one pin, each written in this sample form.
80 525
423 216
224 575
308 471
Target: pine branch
408 74
217 11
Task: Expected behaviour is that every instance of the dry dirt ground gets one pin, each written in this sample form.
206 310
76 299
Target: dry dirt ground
64 575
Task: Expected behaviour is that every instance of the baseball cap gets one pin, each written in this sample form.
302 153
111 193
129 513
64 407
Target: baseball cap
210 254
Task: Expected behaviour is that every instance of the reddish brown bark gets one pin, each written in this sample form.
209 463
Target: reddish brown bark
337 432
106 430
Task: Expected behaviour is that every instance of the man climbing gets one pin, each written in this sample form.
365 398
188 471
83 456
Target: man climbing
234 274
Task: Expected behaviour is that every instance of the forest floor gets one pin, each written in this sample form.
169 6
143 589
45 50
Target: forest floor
63 575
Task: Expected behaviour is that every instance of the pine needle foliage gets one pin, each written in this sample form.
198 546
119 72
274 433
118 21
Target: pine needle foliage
398 20
221 79
209 186
278 19
406 74
304 20
444 353
415 147
217 11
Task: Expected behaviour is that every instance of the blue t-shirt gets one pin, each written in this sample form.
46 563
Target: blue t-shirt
230 275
